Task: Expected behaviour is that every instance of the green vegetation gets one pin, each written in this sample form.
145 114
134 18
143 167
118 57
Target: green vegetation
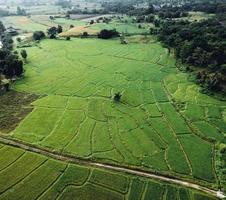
31 175
78 116
199 45
121 101
200 153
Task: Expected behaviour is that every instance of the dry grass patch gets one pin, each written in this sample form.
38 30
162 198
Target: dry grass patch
23 20
79 30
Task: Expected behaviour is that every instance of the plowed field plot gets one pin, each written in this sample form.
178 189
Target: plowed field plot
77 115
31 176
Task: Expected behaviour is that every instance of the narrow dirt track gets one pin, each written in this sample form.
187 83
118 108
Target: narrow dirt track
68 158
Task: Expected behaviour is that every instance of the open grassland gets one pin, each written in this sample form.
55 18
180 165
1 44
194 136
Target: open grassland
122 26
127 28
43 22
26 175
76 114
23 23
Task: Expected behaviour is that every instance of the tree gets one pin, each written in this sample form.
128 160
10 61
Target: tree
91 22
150 9
117 97
51 18
107 34
20 11
18 67
199 44
2 28
23 53
59 29
10 64
150 18
123 39
52 32
157 23
18 39
38 35
84 35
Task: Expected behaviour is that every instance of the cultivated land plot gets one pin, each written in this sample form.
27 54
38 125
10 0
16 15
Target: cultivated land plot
77 115
33 176
24 23
43 22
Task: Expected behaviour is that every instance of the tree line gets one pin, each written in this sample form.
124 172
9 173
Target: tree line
10 63
199 44
19 12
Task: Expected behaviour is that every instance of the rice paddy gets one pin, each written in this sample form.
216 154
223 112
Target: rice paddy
77 115
29 176
162 123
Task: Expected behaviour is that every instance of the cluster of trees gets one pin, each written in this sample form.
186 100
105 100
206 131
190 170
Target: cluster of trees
199 44
64 3
86 11
10 64
208 7
169 12
53 31
21 12
118 7
38 35
5 39
107 34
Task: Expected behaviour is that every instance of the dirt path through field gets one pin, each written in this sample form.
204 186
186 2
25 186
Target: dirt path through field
68 158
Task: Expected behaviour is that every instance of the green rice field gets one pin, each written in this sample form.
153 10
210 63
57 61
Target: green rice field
25 175
76 114
162 124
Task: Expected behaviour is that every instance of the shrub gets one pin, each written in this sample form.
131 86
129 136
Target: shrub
84 35
38 35
107 34
23 54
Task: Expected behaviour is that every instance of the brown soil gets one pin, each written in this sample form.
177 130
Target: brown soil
14 107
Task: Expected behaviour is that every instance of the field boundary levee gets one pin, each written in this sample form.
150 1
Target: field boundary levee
123 169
